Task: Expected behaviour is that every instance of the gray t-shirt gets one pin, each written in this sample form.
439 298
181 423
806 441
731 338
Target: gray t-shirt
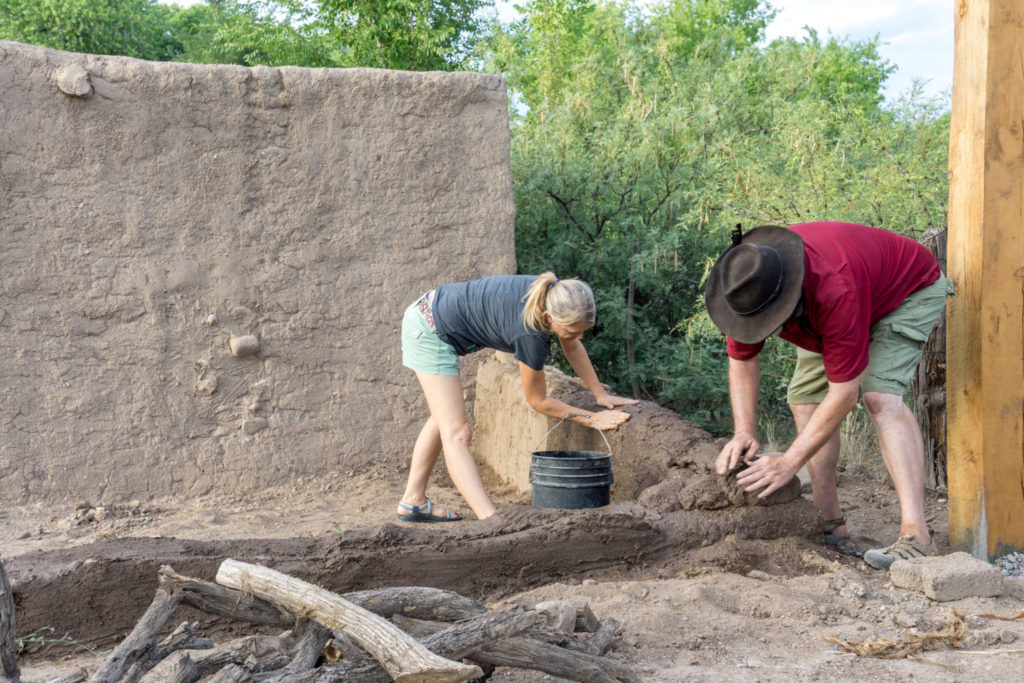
488 313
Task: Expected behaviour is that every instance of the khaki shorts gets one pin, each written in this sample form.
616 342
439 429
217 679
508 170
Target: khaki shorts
894 350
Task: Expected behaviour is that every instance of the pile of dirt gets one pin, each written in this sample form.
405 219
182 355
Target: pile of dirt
744 599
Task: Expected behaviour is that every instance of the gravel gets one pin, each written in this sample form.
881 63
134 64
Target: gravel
1012 564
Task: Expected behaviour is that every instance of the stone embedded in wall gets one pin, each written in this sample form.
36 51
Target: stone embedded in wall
73 80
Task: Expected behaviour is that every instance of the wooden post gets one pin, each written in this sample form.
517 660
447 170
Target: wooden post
985 322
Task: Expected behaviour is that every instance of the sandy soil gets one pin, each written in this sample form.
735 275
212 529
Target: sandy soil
742 609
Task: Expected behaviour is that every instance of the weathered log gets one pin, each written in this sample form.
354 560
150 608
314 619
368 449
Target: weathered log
310 639
401 656
183 670
241 651
459 640
412 601
232 673
598 643
585 620
223 601
140 640
76 676
448 640
181 638
525 653
417 602
8 649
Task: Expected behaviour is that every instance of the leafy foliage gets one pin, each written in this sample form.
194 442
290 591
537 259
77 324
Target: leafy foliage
391 34
135 28
643 137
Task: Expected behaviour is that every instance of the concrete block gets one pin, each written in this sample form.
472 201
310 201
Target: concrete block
948 577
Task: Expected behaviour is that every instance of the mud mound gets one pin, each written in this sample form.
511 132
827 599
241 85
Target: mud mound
99 590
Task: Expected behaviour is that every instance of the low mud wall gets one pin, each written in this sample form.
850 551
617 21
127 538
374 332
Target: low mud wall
149 213
656 444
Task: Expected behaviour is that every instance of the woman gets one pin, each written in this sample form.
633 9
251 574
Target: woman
512 313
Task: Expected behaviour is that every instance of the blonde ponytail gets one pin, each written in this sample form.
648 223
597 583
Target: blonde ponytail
568 301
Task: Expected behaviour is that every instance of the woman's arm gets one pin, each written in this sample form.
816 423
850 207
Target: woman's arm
535 389
577 356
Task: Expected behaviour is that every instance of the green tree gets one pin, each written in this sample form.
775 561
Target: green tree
258 32
135 28
640 139
392 34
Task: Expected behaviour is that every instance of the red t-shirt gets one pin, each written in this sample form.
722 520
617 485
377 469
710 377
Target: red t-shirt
854 276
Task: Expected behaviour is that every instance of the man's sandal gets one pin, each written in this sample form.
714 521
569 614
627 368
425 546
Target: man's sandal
416 514
841 542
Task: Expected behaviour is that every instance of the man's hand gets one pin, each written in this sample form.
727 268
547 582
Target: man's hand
612 401
770 472
742 446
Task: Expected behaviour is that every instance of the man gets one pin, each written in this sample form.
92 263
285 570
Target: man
859 302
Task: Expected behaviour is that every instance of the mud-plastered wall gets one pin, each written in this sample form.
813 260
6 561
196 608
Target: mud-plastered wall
203 269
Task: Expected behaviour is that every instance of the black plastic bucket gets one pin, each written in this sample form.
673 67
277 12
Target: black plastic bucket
571 480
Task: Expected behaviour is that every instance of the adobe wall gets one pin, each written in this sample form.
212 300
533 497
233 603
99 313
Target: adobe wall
149 212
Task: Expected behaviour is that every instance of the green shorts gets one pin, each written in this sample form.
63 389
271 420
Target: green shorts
422 350
894 350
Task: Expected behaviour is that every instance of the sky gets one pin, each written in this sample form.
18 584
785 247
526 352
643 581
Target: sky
916 36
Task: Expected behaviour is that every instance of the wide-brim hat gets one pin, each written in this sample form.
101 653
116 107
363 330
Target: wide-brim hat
756 284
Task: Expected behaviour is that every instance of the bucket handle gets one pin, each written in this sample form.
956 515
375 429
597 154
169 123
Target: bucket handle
566 417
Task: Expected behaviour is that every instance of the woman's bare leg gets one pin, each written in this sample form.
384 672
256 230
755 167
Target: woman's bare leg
447 428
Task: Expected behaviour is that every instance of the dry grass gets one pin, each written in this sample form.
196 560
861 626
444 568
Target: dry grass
908 644
858 449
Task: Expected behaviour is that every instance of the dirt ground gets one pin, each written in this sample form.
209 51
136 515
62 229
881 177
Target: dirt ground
738 609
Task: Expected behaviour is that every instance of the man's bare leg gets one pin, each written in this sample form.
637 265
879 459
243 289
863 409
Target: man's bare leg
822 468
899 439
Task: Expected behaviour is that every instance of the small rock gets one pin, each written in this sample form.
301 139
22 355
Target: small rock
206 386
99 514
211 319
905 620
1007 636
947 577
561 614
253 425
636 590
74 81
134 505
24 535
246 345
